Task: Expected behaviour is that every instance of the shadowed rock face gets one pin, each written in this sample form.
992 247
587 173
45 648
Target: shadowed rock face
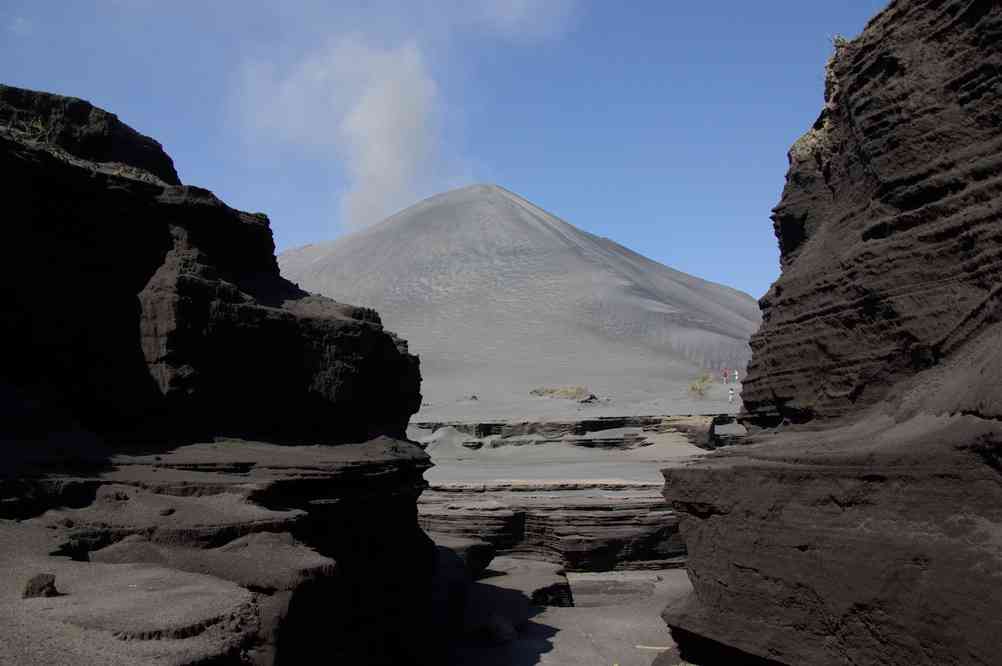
868 528
146 330
319 545
148 309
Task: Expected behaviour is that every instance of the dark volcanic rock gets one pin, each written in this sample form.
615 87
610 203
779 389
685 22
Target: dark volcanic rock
147 337
40 585
82 130
321 541
699 429
475 555
141 308
872 531
888 225
580 525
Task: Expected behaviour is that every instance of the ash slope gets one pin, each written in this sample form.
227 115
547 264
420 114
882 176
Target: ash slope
497 297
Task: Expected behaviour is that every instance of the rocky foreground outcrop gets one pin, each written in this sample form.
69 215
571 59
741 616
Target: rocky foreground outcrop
168 406
582 526
227 552
867 528
84 131
603 432
582 494
143 308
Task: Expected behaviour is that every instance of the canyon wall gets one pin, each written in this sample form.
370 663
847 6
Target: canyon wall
888 224
863 523
214 457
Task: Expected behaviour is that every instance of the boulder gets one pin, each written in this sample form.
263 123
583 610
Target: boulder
40 585
475 554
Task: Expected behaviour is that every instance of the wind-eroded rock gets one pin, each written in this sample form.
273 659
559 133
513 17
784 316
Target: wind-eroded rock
583 494
583 526
611 432
146 337
84 131
872 532
888 225
298 531
141 307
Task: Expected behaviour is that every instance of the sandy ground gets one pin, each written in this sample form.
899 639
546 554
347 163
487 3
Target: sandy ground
616 620
497 401
98 602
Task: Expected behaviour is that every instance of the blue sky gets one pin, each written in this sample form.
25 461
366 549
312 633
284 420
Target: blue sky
660 124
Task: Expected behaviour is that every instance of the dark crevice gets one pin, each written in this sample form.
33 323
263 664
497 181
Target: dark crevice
988 448
704 651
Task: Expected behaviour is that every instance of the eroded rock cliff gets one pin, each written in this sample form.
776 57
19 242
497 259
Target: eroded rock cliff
866 526
168 410
888 224
145 308
84 131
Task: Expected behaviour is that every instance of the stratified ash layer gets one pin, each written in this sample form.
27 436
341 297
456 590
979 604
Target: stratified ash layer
889 223
868 527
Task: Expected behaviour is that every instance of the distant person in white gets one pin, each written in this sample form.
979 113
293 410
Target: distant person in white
730 395
735 376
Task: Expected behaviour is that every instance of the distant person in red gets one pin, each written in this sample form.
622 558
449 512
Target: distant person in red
725 375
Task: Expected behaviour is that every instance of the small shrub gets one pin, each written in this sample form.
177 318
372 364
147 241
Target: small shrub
566 392
33 130
701 385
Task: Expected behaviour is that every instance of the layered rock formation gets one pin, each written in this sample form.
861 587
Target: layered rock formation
166 405
872 531
613 432
582 526
888 223
581 494
293 549
144 307
84 131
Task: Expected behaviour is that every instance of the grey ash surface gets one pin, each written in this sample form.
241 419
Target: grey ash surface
498 297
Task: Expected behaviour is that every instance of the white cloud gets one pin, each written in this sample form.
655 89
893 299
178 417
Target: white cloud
377 109
374 107
388 132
